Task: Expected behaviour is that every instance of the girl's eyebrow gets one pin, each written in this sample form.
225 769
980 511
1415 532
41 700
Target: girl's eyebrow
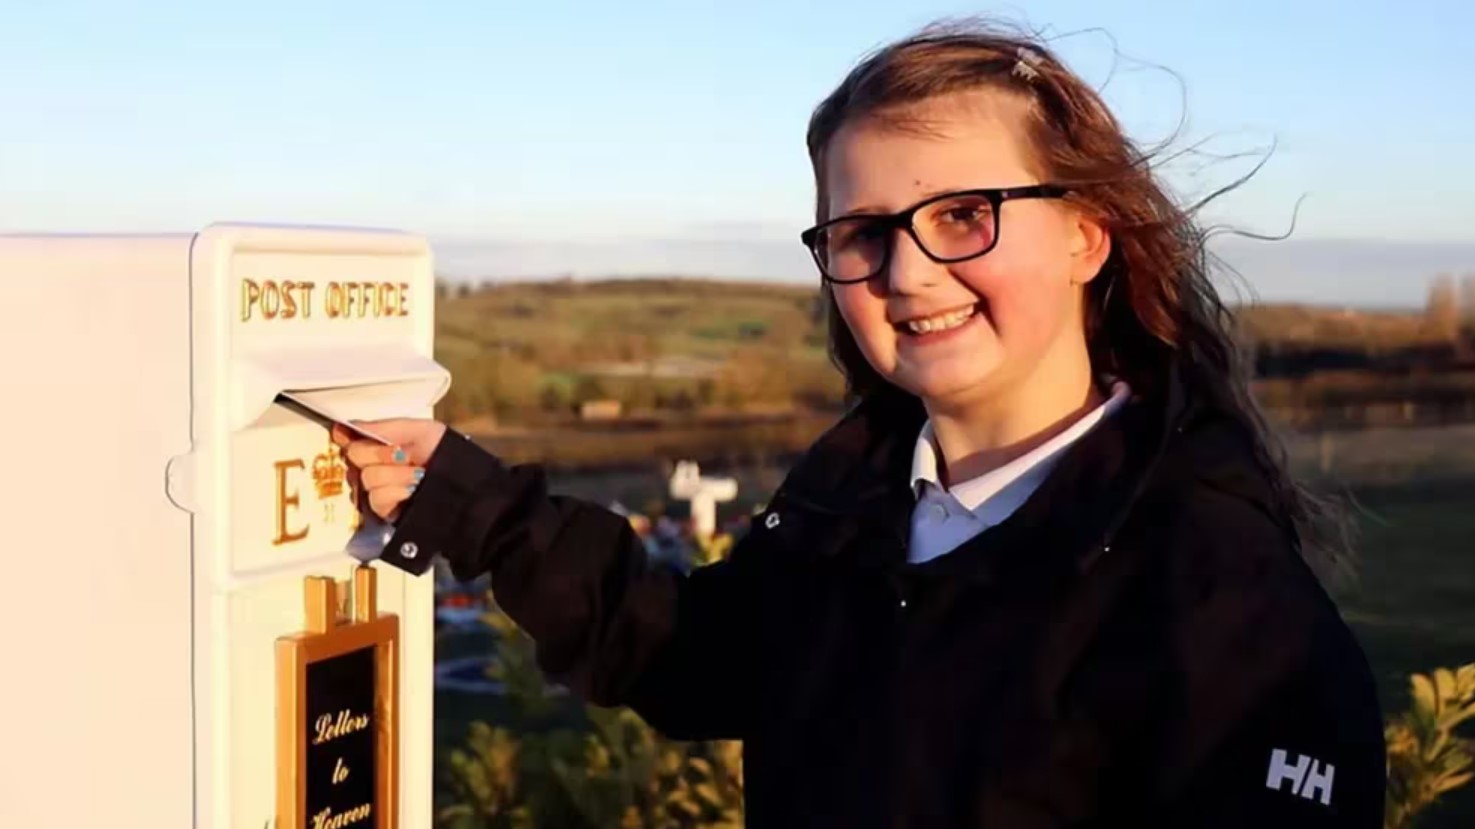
875 210
860 211
870 210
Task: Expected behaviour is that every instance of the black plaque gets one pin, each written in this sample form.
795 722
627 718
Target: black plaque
342 725
337 713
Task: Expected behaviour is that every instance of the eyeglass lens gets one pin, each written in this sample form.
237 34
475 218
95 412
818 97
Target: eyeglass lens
950 229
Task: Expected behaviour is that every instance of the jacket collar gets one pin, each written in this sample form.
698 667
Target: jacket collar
860 470
1034 464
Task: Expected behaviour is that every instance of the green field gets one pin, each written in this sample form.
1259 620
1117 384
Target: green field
1414 609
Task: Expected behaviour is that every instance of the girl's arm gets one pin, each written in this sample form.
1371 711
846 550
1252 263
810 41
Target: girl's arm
1270 716
610 624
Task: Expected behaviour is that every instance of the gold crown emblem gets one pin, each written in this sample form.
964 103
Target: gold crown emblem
329 473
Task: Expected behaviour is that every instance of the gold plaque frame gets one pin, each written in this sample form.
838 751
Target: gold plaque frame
326 638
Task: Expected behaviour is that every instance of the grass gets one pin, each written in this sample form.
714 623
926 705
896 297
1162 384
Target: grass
1414 608
1414 604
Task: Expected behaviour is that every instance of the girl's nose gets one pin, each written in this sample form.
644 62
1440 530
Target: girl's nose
910 270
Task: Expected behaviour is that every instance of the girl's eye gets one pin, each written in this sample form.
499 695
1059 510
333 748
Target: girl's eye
969 212
847 234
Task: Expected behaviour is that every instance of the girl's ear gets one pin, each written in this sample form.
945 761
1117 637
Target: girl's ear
1090 244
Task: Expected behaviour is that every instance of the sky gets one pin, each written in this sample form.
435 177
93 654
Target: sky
537 138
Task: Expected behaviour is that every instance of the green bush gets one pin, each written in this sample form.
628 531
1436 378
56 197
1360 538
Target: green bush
1426 758
616 772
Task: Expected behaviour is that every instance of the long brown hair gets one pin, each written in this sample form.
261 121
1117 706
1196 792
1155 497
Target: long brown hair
1153 300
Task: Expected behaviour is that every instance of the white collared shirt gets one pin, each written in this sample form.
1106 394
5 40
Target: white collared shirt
945 517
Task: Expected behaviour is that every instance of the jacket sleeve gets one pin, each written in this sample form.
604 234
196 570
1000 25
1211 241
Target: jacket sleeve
608 623
1270 718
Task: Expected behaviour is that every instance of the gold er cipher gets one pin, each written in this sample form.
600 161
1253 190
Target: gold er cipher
329 477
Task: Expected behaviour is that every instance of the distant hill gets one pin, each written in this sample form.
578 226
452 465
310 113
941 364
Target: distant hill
707 318
538 350
670 344
1287 325
577 322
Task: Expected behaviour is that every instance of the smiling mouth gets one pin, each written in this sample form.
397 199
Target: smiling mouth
938 323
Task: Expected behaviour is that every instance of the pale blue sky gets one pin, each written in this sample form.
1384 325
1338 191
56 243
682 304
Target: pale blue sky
534 122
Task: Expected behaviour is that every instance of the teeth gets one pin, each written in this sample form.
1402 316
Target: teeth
941 322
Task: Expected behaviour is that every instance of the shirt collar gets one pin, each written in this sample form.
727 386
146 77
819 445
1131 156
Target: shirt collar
1033 465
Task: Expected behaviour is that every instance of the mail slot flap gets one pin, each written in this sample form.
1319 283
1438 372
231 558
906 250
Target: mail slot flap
365 382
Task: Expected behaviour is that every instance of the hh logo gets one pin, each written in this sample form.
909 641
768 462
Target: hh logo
1309 778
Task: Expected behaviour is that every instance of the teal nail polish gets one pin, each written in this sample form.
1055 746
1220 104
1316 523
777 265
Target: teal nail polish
419 475
400 456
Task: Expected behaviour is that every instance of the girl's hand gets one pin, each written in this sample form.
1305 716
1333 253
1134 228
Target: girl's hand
389 474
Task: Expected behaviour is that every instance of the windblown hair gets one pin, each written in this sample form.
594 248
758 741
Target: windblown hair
1153 302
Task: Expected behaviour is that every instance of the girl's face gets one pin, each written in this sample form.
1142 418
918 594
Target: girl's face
1021 300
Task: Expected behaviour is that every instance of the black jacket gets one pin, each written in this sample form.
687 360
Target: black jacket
1138 645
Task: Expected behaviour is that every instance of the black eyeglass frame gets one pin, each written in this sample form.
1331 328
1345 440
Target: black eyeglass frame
996 197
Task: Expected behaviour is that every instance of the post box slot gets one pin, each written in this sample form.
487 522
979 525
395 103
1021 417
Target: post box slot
288 488
361 384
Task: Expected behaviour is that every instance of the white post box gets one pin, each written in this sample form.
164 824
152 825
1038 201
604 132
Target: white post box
161 512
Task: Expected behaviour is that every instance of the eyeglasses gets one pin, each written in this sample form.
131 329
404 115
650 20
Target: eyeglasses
948 228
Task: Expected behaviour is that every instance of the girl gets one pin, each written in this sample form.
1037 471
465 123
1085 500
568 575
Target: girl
1045 572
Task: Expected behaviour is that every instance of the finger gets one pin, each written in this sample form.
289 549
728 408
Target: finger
381 475
365 453
385 500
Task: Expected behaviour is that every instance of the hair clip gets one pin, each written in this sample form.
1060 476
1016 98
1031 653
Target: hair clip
1027 66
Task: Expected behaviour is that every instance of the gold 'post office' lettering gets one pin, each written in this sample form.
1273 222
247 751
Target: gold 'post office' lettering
272 300
291 299
306 289
250 295
286 501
